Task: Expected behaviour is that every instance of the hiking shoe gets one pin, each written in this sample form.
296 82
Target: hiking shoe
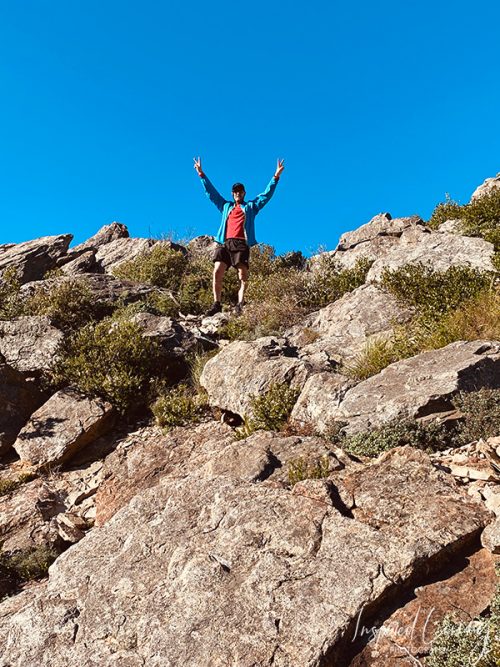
238 309
216 308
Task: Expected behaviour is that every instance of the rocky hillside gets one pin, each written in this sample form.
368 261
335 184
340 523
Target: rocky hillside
313 482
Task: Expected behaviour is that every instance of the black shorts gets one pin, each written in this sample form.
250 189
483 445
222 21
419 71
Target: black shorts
232 253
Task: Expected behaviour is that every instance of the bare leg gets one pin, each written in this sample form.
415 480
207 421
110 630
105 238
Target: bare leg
218 275
243 276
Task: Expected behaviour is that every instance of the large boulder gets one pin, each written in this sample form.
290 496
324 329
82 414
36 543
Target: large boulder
19 398
30 344
66 423
341 329
245 369
222 571
32 259
415 387
84 262
439 250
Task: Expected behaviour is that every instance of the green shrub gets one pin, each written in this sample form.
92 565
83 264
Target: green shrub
301 468
69 304
481 217
9 485
196 362
272 409
110 359
448 210
28 564
10 302
328 281
396 433
160 266
481 410
177 407
434 293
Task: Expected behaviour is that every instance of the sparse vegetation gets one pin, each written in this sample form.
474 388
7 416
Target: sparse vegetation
475 643
28 564
110 359
430 437
481 417
271 410
179 406
301 468
9 485
10 303
481 217
160 266
377 354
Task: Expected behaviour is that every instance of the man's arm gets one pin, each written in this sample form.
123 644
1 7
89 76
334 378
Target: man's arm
214 196
261 200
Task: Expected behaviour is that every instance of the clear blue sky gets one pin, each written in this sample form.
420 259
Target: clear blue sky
375 106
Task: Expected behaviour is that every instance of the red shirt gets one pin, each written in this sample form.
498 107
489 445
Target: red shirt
235 228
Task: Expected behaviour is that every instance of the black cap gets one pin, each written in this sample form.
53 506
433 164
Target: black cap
238 186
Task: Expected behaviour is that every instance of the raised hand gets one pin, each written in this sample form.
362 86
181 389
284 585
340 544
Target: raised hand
197 166
279 168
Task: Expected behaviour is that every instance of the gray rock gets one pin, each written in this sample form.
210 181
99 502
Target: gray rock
222 571
413 387
84 262
488 186
450 227
321 395
380 225
202 246
342 328
32 259
30 344
18 400
490 537
63 425
245 369
435 249
26 514
120 250
174 339
106 234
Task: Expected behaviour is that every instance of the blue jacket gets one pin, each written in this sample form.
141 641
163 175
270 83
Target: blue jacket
251 208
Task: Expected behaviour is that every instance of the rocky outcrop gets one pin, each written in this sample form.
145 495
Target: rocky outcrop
85 262
106 234
114 253
18 400
64 424
244 369
202 246
254 573
436 249
32 259
412 387
30 344
490 185
341 329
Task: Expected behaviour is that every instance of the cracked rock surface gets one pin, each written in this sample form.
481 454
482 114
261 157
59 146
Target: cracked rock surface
221 571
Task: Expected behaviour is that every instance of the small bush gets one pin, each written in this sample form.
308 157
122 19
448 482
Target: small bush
177 407
376 355
196 362
434 293
9 485
481 217
10 302
301 469
110 359
160 266
328 282
69 304
28 564
481 410
396 433
271 411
